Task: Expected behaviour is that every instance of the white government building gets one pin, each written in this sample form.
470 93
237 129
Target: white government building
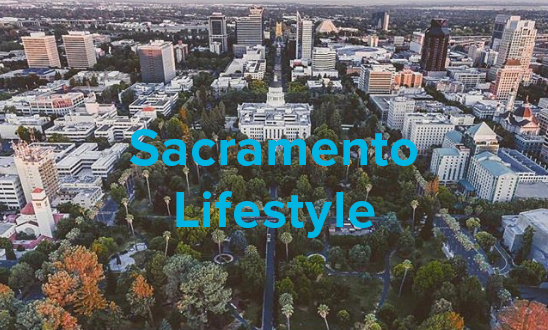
492 179
275 119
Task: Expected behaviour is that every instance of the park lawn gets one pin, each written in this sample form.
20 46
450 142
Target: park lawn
404 305
362 300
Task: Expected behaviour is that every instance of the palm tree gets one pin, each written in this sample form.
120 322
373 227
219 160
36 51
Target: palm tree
287 311
146 174
166 236
414 205
473 224
407 264
368 188
286 238
218 237
186 171
285 299
347 170
323 311
129 219
167 199
216 140
125 202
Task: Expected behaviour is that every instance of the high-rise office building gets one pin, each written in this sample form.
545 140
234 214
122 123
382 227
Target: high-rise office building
41 51
218 33
157 61
304 38
249 30
323 59
434 48
36 169
501 23
517 43
381 20
79 49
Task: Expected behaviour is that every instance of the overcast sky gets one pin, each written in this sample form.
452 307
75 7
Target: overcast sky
355 2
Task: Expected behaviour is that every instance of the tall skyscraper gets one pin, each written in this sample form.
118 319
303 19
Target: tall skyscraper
218 32
249 30
508 79
305 38
157 61
517 43
434 48
381 20
41 51
79 49
181 51
501 23
36 169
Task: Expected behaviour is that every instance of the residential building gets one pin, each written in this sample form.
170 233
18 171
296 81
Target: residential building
416 42
408 78
435 45
449 164
275 119
491 178
157 61
36 169
399 106
377 79
426 130
41 51
218 33
79 49
249 30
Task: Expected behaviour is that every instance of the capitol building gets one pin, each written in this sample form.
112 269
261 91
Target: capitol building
275 119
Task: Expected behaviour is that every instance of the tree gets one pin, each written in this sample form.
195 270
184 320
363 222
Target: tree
21 277
443 321
359 255
146 175
286 238
336 257
125 202
431 276
141 297
104 247
218 237
472 298
414 205
473 224
183 248
529 273
406 243
55 317
166 236
525 250
204 293
253 270
167 199
523 315
80 266
485 240
344 316
238 242
407 265
323 311
7 245
287 311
